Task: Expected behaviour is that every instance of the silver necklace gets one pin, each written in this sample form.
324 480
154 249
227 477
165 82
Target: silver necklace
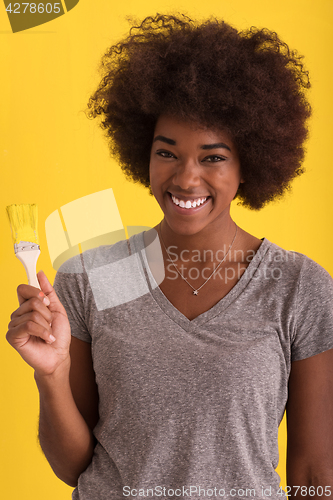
196 290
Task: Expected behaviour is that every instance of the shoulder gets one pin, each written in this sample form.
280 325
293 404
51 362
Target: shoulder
296 266
306 289
97 257
75 272
107 273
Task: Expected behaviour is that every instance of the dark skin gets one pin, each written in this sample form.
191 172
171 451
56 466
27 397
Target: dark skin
180 294
63 368
310 424
191 163
39 330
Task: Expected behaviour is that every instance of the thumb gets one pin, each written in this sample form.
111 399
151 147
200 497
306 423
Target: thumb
47 288
45 285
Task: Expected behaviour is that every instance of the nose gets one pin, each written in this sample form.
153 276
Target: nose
187 175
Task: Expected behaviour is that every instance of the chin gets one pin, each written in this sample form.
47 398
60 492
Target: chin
184 228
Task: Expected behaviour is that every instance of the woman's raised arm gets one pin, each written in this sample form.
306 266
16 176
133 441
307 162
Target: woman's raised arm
68 394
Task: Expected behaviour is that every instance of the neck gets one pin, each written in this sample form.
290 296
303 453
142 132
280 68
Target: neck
200 242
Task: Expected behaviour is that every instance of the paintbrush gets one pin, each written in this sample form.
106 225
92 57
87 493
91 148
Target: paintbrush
23 222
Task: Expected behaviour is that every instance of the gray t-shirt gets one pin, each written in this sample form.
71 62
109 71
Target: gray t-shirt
191 409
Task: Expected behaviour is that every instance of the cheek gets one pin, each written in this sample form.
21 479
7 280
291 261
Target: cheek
158 174
235 175
228 177
227 183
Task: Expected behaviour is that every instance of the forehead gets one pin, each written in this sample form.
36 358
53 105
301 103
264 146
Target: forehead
177 128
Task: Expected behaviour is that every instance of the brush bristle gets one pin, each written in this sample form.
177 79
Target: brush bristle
23 222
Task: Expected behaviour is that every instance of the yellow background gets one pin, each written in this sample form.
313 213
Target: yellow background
52 154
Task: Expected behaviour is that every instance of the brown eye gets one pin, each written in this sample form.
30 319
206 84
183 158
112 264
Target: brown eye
165 154
214 158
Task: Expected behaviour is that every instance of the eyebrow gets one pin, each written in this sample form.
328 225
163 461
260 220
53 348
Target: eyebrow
205 146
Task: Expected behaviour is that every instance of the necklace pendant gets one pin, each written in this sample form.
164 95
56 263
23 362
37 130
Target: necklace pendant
195 292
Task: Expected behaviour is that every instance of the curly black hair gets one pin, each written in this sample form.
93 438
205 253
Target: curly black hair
247 83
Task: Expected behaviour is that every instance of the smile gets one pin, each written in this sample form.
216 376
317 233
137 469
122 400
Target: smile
196 202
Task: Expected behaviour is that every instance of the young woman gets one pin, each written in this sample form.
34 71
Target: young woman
175 386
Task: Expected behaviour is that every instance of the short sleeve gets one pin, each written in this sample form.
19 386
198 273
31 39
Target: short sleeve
313 332
70 285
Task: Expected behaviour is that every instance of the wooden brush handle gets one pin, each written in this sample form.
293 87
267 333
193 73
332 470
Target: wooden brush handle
29 260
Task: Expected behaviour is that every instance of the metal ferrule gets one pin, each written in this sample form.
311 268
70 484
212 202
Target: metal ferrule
25 246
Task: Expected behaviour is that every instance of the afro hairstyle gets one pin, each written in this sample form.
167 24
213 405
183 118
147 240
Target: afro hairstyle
247 83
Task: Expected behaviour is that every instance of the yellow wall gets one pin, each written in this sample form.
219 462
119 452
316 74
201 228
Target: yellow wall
51 154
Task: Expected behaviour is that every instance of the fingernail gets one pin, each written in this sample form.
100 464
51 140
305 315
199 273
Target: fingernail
46 301
52 338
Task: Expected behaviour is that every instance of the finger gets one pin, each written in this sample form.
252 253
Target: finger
21 334
34 316
26 292
34 304
47 288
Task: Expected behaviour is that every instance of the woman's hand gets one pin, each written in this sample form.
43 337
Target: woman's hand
39 329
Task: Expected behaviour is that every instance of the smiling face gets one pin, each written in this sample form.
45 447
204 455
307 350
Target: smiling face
194 175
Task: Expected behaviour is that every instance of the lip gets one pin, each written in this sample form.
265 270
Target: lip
187 211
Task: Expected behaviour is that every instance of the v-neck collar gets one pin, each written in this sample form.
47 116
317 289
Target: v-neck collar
173 313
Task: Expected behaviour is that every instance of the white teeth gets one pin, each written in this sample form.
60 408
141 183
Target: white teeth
188 203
